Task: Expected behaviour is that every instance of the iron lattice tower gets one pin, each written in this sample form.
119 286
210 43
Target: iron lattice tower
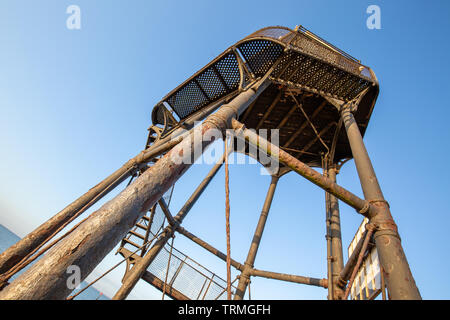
319 99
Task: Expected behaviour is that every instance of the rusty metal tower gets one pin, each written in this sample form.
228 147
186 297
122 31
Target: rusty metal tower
319 99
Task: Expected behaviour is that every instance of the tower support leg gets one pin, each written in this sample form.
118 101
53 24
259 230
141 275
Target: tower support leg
334 234
399 279
248 265
86 246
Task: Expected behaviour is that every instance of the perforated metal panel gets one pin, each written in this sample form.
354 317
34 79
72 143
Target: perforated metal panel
260 55
209 85
303 71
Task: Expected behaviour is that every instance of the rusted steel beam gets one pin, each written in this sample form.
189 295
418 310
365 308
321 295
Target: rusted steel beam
208 247
249 262
302 169
290 277
86 246
399 279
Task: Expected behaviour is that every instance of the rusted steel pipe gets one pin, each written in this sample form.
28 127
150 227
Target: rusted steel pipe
208 247
337 263
329 250
104 228
290 277
301 168
399 279
249 262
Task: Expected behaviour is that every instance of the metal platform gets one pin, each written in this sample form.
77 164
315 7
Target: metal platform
307 71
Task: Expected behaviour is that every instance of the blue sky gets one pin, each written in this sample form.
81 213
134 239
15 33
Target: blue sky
75 105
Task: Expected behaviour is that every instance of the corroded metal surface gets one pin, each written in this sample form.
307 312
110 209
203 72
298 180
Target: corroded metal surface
290 278
399 279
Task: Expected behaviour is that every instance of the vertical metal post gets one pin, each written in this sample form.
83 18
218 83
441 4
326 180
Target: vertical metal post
337 262
399 279
248 265
227 219
329 250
